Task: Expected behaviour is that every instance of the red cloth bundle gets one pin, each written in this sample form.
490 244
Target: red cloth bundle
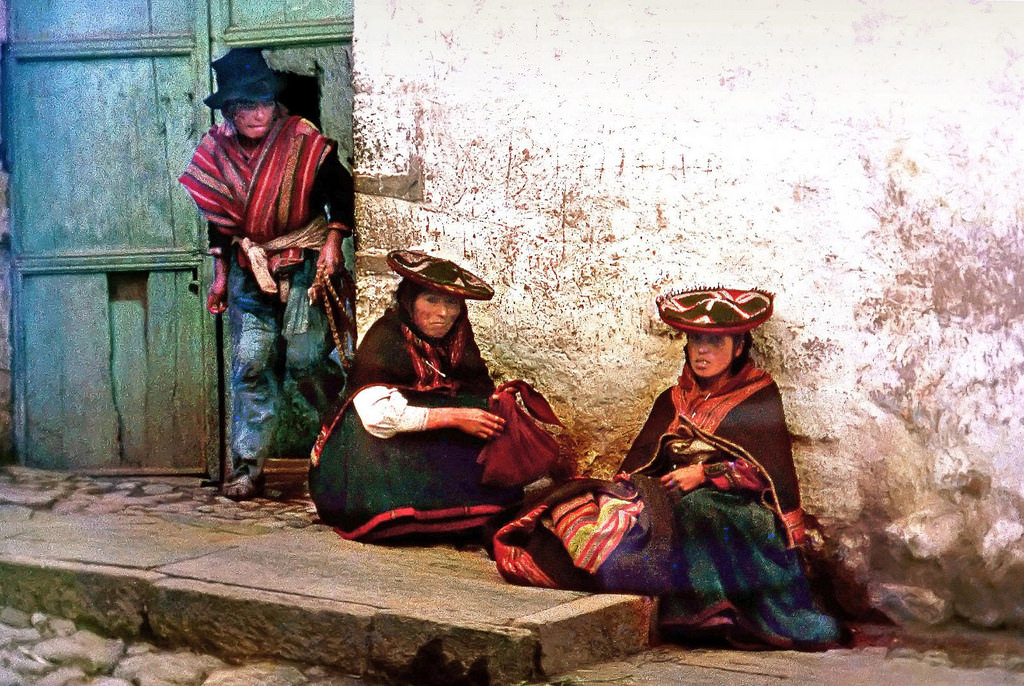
524 451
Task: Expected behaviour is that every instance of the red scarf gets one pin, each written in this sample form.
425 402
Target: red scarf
429 359
707 407
261 195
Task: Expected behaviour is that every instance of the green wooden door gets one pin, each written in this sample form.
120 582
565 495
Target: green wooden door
115 362
114 354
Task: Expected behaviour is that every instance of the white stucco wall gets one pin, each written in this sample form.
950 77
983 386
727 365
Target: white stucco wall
859 159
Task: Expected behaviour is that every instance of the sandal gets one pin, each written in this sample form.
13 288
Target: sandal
240 488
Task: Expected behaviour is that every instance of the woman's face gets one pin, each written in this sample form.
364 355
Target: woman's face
434 313
253 119
710 355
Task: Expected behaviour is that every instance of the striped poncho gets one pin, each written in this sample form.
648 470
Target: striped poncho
263 194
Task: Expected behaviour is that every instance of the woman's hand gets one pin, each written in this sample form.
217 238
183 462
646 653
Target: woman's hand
472 420
217 293
330 254
684 479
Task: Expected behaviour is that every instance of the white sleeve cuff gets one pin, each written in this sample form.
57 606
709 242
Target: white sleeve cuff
384 412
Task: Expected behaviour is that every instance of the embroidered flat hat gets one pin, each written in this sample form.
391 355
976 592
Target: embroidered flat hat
439 274
243 74
715 310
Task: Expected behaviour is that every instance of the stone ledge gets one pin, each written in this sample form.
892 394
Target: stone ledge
404 644
593 628
112 599
245 623
242 623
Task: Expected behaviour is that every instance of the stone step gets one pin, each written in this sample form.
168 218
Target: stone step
250 591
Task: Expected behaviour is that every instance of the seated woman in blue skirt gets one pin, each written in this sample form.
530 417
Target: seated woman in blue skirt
400 457
705 512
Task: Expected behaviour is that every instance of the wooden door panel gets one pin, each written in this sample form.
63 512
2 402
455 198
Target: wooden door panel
119 130
180 390
114 356
60 21
280 22
116 373
129 358
248 14
70 414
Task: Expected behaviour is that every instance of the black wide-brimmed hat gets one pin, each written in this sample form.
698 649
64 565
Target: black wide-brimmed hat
243 74
439 274
718 310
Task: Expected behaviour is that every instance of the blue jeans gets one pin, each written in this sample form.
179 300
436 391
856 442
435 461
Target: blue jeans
260 323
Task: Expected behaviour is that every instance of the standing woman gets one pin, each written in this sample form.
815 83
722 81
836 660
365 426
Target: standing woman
705 512
400 457
278 203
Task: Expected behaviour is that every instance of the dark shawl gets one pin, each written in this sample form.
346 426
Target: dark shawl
716 558
757 424
418 482
386 356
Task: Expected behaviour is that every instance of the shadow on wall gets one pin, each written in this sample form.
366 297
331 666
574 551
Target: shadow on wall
837 587
6 422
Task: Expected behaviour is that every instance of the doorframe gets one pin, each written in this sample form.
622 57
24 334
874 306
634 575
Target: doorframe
210 31
224 35
279 34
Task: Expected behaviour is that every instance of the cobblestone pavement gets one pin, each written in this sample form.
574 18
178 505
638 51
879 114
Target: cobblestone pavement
41 650
68 494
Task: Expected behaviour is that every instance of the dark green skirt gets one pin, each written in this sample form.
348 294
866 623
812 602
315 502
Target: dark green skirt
424 482
721 570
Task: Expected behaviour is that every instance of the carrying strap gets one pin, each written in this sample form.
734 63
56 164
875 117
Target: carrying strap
791 520
313 236
322 292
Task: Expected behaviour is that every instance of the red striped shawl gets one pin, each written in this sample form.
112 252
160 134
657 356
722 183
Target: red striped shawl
261 195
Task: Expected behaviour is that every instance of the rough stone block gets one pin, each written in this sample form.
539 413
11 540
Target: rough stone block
167 668
910 604
591 629
247 623
110 599
929 534
427 651
84 649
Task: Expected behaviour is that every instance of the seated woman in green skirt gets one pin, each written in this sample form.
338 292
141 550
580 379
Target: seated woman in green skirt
705 512
400 457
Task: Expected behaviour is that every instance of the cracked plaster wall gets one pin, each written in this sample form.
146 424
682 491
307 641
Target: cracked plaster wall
861 160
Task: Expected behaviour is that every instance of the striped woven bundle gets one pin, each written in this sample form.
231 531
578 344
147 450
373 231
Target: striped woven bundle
591 528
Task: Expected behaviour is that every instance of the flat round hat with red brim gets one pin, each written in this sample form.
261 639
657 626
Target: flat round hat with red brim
439 274
723 311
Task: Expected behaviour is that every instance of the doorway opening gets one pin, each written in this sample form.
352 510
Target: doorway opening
300 95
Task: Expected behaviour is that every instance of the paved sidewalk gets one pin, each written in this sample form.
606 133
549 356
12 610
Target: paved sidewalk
167 560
